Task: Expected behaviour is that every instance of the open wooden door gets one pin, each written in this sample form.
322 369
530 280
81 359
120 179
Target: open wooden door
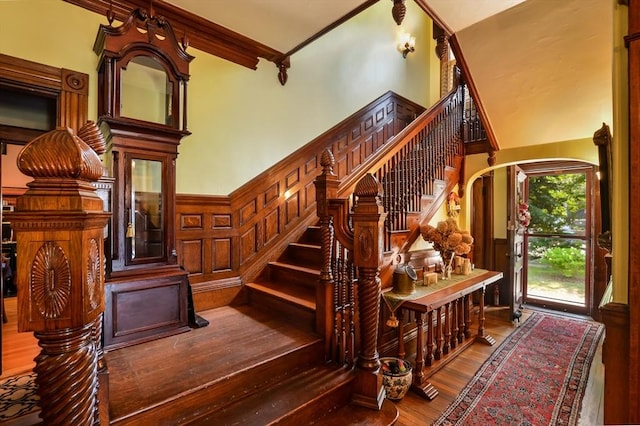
516 181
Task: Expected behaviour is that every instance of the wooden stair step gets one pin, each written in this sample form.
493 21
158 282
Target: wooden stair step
171 380
354 415
299 275
296 400
303 254
301 296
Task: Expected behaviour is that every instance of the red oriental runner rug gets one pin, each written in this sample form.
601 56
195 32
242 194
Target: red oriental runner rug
537 376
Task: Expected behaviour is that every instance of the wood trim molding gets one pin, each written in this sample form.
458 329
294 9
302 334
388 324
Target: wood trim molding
209 37
70 88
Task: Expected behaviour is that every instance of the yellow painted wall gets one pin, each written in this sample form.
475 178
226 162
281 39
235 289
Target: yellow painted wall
620 130
243 121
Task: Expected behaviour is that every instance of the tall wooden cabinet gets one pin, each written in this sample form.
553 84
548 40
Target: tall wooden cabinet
142 79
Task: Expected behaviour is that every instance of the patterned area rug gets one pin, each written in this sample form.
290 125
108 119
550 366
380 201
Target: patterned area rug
537 376
18 396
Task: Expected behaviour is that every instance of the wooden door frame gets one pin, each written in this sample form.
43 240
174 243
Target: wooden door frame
595 264
70 90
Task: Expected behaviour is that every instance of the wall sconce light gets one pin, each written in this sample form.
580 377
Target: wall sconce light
407 44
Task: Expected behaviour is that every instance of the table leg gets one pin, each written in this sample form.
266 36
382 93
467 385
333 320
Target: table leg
481 337
420 385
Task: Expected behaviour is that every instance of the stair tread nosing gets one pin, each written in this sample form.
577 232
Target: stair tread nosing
302 296
283 399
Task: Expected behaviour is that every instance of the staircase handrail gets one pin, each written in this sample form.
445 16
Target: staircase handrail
397 143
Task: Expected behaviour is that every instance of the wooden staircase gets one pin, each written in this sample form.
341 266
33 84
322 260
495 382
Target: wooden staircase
267 370
271 359
288 285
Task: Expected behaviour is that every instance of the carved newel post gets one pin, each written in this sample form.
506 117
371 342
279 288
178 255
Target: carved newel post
58 224
368 246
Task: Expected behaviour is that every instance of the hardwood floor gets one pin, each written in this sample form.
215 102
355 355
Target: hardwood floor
19 349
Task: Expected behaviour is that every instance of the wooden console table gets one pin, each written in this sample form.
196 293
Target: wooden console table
450 301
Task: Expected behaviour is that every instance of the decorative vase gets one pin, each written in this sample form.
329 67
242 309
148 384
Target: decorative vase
396 377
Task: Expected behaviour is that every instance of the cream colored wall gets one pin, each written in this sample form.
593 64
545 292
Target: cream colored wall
620 175
243 121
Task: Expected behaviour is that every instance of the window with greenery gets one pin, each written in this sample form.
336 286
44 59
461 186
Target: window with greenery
557 236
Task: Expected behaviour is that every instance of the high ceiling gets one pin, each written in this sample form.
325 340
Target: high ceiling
542 68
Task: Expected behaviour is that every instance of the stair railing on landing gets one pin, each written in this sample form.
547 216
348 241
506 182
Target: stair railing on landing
349 278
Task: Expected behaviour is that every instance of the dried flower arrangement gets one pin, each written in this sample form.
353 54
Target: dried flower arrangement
448 239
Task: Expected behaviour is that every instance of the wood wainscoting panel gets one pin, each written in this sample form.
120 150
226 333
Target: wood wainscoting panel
292 209
191 221
616 358
193 251
144 309
221 255
221 221
249 243
271 225
309 195
248 211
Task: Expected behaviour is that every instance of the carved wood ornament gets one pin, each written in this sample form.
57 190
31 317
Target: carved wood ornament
59 224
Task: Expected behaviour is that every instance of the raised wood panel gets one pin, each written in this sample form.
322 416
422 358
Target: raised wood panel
311 166
254 223
248 211
380 116
271 225
292 208
356 156
309 196
292 178
192 256
191 221
145 310
221 221
248 243
221 255
271 193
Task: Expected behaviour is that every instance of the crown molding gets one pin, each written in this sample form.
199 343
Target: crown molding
193 30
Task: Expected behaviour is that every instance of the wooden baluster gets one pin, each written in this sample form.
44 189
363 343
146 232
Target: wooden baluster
429 356
461 310
326 297
437 354
447 329
418 373
481 336
468 306
401 349
454 323
420 385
